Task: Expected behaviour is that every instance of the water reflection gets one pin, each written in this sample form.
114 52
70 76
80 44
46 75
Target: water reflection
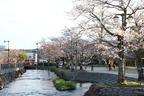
39 83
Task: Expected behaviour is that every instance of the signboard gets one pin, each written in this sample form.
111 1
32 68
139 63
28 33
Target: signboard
1 49
2 46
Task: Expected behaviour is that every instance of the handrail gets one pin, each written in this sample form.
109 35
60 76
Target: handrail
6 68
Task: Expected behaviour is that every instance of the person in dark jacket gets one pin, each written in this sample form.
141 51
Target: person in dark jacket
109 65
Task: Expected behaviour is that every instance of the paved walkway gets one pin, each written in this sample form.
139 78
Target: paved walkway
105 70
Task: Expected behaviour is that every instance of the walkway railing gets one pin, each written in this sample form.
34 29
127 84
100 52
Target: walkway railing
6 68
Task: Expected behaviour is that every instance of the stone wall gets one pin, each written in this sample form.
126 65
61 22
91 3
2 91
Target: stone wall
101 90
8 77
101 78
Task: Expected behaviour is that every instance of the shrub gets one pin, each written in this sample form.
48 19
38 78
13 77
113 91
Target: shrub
53 69
41 63
46 64
56 71
62 85
52 64
60 73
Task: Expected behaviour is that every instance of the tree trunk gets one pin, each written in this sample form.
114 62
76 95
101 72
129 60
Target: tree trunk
121 77
140 74
121 72
140 70
71 63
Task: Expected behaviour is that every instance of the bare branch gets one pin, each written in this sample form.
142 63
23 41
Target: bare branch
109 43
116 6
128 3
136 9
95 16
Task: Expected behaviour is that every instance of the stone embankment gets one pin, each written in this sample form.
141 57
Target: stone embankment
102 90
8 77
101 78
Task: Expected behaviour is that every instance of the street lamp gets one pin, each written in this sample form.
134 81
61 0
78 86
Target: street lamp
116 18
37 52
8 50
130 18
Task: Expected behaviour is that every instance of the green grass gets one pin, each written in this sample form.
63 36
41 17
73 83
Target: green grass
129 67
63 70
128 70
128 84
59 70
62 85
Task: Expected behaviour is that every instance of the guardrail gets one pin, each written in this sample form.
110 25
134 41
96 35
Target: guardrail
6 68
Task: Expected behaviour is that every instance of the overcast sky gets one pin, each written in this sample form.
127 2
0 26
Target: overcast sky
25 22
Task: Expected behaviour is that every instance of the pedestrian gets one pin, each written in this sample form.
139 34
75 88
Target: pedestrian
114 66
109 65
85 66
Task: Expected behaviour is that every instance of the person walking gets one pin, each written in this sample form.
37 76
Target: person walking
109 65
114 66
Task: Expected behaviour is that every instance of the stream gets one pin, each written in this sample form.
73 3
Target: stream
39 83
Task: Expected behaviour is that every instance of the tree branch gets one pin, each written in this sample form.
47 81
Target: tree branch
95 16
128 3
116 6
109 43
136 9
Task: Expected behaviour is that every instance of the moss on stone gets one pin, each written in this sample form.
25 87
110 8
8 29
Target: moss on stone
128 84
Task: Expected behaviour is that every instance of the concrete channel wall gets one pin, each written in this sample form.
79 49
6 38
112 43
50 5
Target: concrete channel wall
9 72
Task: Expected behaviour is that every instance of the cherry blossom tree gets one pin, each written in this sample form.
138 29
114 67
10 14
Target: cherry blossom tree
50 49
15 55
135 43
113 34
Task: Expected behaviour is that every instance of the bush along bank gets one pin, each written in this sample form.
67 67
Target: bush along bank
46 64
60 73
63 85
8 77
62 82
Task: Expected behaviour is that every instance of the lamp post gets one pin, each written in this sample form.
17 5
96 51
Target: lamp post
37 52
8 50
121 77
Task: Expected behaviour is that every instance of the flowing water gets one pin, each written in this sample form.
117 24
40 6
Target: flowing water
39 83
